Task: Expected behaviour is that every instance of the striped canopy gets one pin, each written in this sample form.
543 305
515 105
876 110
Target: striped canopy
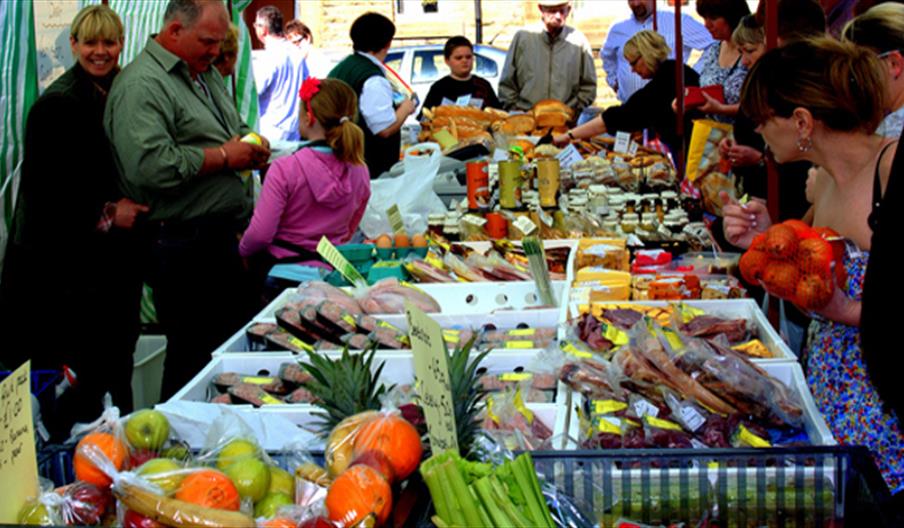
19 84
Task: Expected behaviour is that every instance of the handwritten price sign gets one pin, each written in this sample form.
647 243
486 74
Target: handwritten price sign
18 462
431 371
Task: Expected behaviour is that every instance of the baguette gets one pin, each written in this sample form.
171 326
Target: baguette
465 111
175 512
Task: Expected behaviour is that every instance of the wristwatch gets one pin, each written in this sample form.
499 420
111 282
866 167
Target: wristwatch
570 135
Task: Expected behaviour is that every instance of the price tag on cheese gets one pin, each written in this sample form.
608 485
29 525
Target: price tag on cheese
525 225
622 142
463 100
643 408
328 251
18 460
691 418
395 219
568 157
431 372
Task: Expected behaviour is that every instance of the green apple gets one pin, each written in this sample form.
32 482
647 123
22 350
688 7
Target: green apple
176 451
268 506
164 472
236 450
281 481
250 476
147 429
36 513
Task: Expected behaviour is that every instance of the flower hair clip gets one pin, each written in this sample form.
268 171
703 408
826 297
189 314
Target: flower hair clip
309 89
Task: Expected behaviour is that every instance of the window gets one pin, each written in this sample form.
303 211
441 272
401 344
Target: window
394 62
428 65
486 67
418 7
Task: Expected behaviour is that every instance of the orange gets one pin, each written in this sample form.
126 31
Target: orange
802 229
814 292
781 241
211 489
781 279
395 438
358 492
111 446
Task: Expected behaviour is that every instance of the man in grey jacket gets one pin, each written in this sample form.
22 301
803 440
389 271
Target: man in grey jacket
553 61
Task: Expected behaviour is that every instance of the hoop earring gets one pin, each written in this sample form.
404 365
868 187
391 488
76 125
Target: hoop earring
804 144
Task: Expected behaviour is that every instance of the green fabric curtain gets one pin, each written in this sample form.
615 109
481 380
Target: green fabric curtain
244 78
18 90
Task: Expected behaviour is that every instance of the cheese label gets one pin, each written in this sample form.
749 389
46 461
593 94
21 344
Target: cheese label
515 376
608 406
661 424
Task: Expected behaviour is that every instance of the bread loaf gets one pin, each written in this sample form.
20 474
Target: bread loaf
518 125
465 111
552 106
551 119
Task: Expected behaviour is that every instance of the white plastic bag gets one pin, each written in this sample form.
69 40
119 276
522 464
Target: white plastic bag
412 192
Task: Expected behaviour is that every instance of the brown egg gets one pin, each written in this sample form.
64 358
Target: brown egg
401 240
384 242
419 240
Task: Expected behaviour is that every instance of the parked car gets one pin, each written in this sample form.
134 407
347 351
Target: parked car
420 66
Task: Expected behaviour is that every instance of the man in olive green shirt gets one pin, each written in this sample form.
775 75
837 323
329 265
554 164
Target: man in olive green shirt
175 135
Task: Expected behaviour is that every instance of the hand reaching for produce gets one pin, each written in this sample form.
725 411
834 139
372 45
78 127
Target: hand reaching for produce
743 222
560 140
243 156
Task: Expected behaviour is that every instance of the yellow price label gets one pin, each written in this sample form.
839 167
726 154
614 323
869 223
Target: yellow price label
519 344
572 350
258 380
750 439
609 425
516 376
608 406
662 424
522 332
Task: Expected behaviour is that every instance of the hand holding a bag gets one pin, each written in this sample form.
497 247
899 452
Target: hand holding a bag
743 222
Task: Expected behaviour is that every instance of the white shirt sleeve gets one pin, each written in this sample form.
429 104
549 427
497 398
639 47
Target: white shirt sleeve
376 104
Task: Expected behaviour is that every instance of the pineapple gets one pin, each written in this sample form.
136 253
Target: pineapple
344 387
467 393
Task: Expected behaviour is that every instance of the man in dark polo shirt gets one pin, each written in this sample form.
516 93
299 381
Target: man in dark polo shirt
378 116
174 131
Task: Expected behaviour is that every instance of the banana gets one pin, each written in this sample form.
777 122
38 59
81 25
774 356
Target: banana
338 453
313 473
177 513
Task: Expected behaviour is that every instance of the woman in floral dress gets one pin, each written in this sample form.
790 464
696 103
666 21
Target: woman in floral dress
820 101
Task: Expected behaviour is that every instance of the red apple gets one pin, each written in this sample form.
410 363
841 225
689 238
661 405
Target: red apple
133 519
139 456
85 504
317 522
377 461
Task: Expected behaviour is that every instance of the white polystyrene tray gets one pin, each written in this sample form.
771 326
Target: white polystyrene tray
790 375
733 308
460 298
399 369
504 320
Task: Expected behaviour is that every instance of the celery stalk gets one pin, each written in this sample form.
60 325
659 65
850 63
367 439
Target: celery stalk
484 516
531 471
456 484
522 476
485 492
504 502
456 516
436 492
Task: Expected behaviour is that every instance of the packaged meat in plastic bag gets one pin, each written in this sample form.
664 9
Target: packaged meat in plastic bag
313 293
388 296
738 381
511 422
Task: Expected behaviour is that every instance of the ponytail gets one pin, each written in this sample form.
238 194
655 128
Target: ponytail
335 106
347 141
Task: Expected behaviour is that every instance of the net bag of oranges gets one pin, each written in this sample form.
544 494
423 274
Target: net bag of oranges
795 262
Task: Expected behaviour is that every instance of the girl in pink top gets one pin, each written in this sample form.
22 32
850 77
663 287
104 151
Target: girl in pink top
320 190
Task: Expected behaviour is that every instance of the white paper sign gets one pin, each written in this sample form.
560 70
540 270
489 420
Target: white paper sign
463 100
568 157
622 142
525 225
476 102
447 102
632 149
500 155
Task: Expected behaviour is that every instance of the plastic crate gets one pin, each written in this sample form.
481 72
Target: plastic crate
800 487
